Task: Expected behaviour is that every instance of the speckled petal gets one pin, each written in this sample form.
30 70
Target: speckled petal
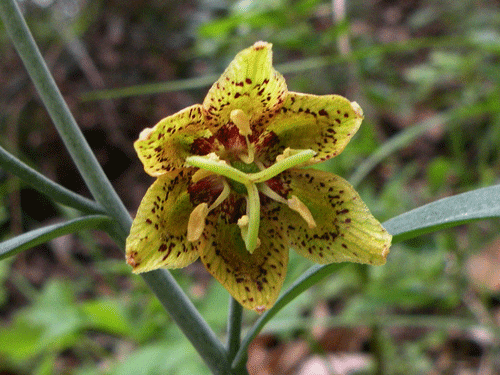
254 280
249 84
165 147
346 231
158 234
322 123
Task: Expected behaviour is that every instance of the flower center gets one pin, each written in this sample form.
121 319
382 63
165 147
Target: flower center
246 177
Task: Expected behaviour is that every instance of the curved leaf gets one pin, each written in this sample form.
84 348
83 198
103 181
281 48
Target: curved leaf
44 185
446 213
38 236
311 277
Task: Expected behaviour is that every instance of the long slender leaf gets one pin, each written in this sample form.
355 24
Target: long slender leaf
44 185
36 237
311 277
397 142
446 213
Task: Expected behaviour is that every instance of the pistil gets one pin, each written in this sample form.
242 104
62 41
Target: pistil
253 183
283 162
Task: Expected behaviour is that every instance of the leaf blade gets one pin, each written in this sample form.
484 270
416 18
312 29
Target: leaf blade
38 236
448 212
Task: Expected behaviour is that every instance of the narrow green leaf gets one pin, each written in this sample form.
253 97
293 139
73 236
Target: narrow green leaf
397 142
311 277
446 213
38 236
45 186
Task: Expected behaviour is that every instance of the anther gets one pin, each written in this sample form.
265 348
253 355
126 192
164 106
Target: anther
295 204
242 121
200 174
196 223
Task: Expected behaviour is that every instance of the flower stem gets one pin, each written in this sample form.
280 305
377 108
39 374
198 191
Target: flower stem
234 328
191 322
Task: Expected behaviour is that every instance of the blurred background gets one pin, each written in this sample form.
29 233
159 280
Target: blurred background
426 73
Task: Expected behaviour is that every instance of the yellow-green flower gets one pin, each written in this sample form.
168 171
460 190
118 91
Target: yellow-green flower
232 189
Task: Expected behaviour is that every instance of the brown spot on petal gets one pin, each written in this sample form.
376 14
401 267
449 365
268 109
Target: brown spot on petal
206 190
322 112
203 146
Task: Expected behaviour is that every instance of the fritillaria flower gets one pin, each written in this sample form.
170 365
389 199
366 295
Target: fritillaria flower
234 189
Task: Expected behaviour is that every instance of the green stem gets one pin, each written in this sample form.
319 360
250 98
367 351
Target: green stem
234 328
188 319
44 185
161 282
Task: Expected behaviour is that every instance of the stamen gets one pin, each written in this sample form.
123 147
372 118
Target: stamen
243 221
242 121
196 223
260 165
267 191
295 204
243 224
222 196
200 174
249 158
286 154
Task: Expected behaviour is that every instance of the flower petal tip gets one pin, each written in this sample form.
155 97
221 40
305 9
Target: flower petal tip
261 44
260 309
385 252
357 108
131 262
145 134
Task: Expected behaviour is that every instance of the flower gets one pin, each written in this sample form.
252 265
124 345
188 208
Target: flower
233 187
